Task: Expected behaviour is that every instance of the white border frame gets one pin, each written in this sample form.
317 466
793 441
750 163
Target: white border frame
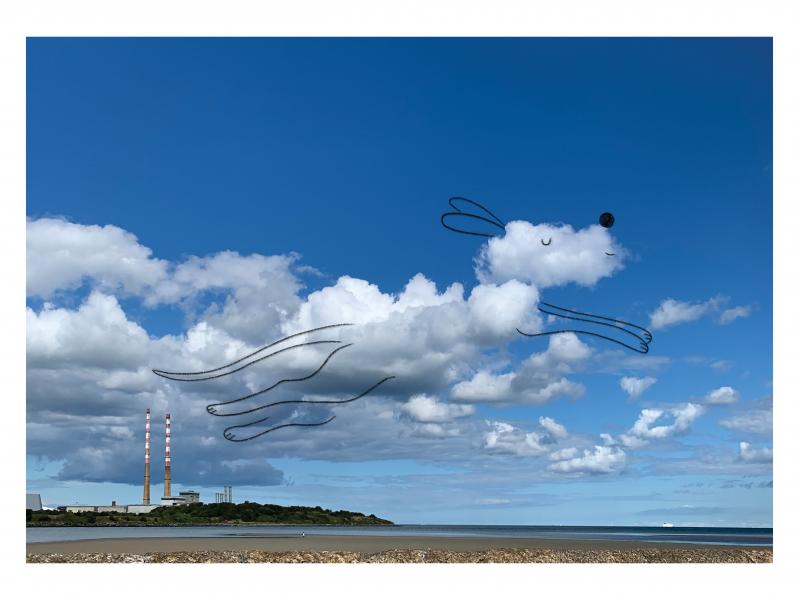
410 18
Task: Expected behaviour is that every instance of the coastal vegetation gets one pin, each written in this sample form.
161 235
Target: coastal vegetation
225 513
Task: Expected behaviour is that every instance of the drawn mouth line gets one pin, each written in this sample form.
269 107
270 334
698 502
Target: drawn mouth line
610 254
549 241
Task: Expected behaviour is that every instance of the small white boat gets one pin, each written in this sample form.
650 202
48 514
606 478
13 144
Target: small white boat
667 525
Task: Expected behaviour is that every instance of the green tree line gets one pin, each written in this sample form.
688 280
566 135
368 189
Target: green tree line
224 513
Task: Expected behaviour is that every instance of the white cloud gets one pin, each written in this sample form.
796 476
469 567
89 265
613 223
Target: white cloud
89 365
602 459
504 438
635 386
747 453
260 292
731 314
429 410
96 334
644 429
436 430
722 395
497 311
721 365
553 427
570 257
672 312
755 421
563 454
539 379
62 255
608 439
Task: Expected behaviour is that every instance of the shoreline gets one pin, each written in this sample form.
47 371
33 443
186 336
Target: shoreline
351 548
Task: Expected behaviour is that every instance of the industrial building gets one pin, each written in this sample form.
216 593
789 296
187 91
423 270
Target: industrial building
225 496
33 502
113 507
187 497
191 496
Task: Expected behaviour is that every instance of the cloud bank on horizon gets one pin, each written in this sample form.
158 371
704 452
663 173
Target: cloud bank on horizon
89 363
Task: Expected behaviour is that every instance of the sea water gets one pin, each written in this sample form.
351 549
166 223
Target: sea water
739 536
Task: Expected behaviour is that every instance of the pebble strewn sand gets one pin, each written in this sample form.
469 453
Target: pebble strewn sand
639 555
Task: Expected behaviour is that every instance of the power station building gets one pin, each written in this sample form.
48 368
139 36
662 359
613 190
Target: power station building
33 502
187 497
225 496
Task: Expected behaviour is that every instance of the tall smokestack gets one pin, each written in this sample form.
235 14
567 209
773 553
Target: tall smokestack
167 473
146 497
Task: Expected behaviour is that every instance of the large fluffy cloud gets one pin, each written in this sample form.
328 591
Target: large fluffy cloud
89 362
63 255
539 379
548 255
97 334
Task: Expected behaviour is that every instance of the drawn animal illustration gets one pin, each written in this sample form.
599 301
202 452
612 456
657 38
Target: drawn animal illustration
250 404
498 227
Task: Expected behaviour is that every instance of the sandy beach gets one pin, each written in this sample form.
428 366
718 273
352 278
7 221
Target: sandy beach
350 548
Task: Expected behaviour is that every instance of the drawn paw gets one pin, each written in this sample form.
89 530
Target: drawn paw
648 336
211 410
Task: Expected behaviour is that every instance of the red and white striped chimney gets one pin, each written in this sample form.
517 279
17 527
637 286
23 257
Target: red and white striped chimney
167 470
146 497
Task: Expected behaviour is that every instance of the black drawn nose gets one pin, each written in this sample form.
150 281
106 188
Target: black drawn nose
547 243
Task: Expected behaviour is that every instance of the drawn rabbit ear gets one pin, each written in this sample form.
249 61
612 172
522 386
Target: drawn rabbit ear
469 219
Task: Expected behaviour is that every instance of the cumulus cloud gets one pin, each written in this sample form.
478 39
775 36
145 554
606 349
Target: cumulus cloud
504 438
88 362
259 292
600 459
570 257
539 379
553 427
96 334
748 453
89 378
645 429
635 386
563 454
722 395
429 410
63 255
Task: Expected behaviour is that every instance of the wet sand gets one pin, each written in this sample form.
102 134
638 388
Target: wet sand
383 549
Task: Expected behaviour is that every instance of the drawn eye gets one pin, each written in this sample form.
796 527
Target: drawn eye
606 220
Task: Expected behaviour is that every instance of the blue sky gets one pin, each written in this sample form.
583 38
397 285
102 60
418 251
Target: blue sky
345 151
